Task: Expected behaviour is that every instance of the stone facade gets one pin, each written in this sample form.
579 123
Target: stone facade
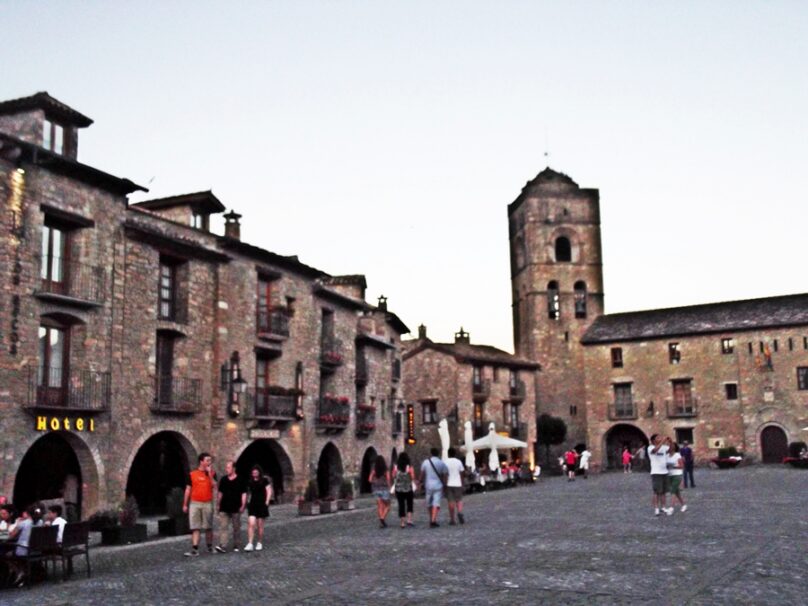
129 351
465 382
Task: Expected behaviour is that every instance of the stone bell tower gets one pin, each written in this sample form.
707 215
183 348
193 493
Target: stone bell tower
557 288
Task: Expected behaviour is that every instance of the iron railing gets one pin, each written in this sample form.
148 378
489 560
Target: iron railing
72 279
516 390
480 389
365 419
333 412
263 405
682 408
273 321
180 395
361 370
518 431
75 390
622 410
330 351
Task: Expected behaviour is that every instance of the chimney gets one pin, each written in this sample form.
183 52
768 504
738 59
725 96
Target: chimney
232 226
462 336
382 303
422 332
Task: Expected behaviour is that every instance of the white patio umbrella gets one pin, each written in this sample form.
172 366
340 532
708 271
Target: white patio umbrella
495 442
468 438
443 432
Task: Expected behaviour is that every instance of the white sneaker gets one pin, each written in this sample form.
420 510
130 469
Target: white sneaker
656 511
248 547
258 547
669 511
684 508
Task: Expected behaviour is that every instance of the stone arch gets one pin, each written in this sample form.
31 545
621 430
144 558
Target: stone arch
571 249
329 471
773 442
161 462
563 249
273 459
60 465
618 436
368 460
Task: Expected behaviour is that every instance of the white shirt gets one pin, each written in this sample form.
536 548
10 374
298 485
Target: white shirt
456 468
584 462
659 460
60 522
673 464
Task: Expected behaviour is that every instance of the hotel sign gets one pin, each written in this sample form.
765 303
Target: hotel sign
45 423
410 424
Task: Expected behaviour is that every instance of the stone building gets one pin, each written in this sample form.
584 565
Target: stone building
723 374
462 382
132 338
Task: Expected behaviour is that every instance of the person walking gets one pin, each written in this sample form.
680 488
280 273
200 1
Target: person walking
404 482
570 459
433 478
675 470
380 485
198 503
454 487
658 456
583 463
687 457
232 499
626 460
259 491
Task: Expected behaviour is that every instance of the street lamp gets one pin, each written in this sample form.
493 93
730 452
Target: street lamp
233 384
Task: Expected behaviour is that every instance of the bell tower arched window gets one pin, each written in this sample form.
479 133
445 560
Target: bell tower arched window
580 299
553 301
563 250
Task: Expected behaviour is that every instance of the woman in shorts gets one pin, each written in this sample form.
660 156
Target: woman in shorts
380 485
259 492
676 466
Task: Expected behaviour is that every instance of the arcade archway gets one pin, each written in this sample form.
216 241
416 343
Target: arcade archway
773 444
273 460
57 466
617 438
368 461
329 471
161 463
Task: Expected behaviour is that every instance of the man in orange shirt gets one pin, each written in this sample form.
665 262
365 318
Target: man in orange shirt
198 503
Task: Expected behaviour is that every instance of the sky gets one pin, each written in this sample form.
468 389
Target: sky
388 138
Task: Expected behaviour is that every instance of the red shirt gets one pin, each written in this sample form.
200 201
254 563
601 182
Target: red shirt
201 486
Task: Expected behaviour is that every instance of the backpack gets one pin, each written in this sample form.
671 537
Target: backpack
403 482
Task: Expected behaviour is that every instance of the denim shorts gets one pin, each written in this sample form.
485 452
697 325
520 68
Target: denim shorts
433 496
384 495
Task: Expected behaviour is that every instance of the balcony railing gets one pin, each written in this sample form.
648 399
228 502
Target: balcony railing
365 419
274 321
331 352
74 390
361 370
263 405
334 412
480 390
177 395
622 410
396 370
175 311
682 408
516 390
519 431
72 280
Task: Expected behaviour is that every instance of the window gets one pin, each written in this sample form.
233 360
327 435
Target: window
751 349
683 395
805 342
553 301
727 345
802 377
495 374
168 291
775 344
623 400
790 344
54 257
674 353
573 410
430 412
684 434
731 390
514 415
53 356
479 414
563 250
477 376
200 221
52 136
164 369
617 357
263 299
580 299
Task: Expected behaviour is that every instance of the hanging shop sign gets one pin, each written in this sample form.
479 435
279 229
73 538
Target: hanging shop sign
410 424
46 423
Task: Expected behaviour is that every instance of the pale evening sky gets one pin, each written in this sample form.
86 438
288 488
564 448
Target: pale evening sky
388 138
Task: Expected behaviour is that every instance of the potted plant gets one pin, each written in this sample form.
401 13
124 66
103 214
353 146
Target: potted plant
797 455
309 504
727 458
127 530
100 520
176 523
346 495
328 505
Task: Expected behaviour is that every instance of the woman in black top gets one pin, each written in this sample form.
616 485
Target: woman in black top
259 492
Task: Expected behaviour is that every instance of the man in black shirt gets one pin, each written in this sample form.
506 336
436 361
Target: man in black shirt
232 500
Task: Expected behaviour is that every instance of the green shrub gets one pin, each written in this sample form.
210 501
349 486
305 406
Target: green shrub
725 453
174 501
346 489
129 512
103 519
795 448
310 496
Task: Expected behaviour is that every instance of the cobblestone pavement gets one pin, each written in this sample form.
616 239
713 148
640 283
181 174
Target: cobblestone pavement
744 539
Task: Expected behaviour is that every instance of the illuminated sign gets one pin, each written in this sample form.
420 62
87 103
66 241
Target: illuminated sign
64 424
410 424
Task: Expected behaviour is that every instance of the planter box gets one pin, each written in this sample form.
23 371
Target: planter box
726 463
308 509
174 527
796 462
328 506
346 505
123 535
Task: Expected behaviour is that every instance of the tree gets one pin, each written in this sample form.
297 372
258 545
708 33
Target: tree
550 431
